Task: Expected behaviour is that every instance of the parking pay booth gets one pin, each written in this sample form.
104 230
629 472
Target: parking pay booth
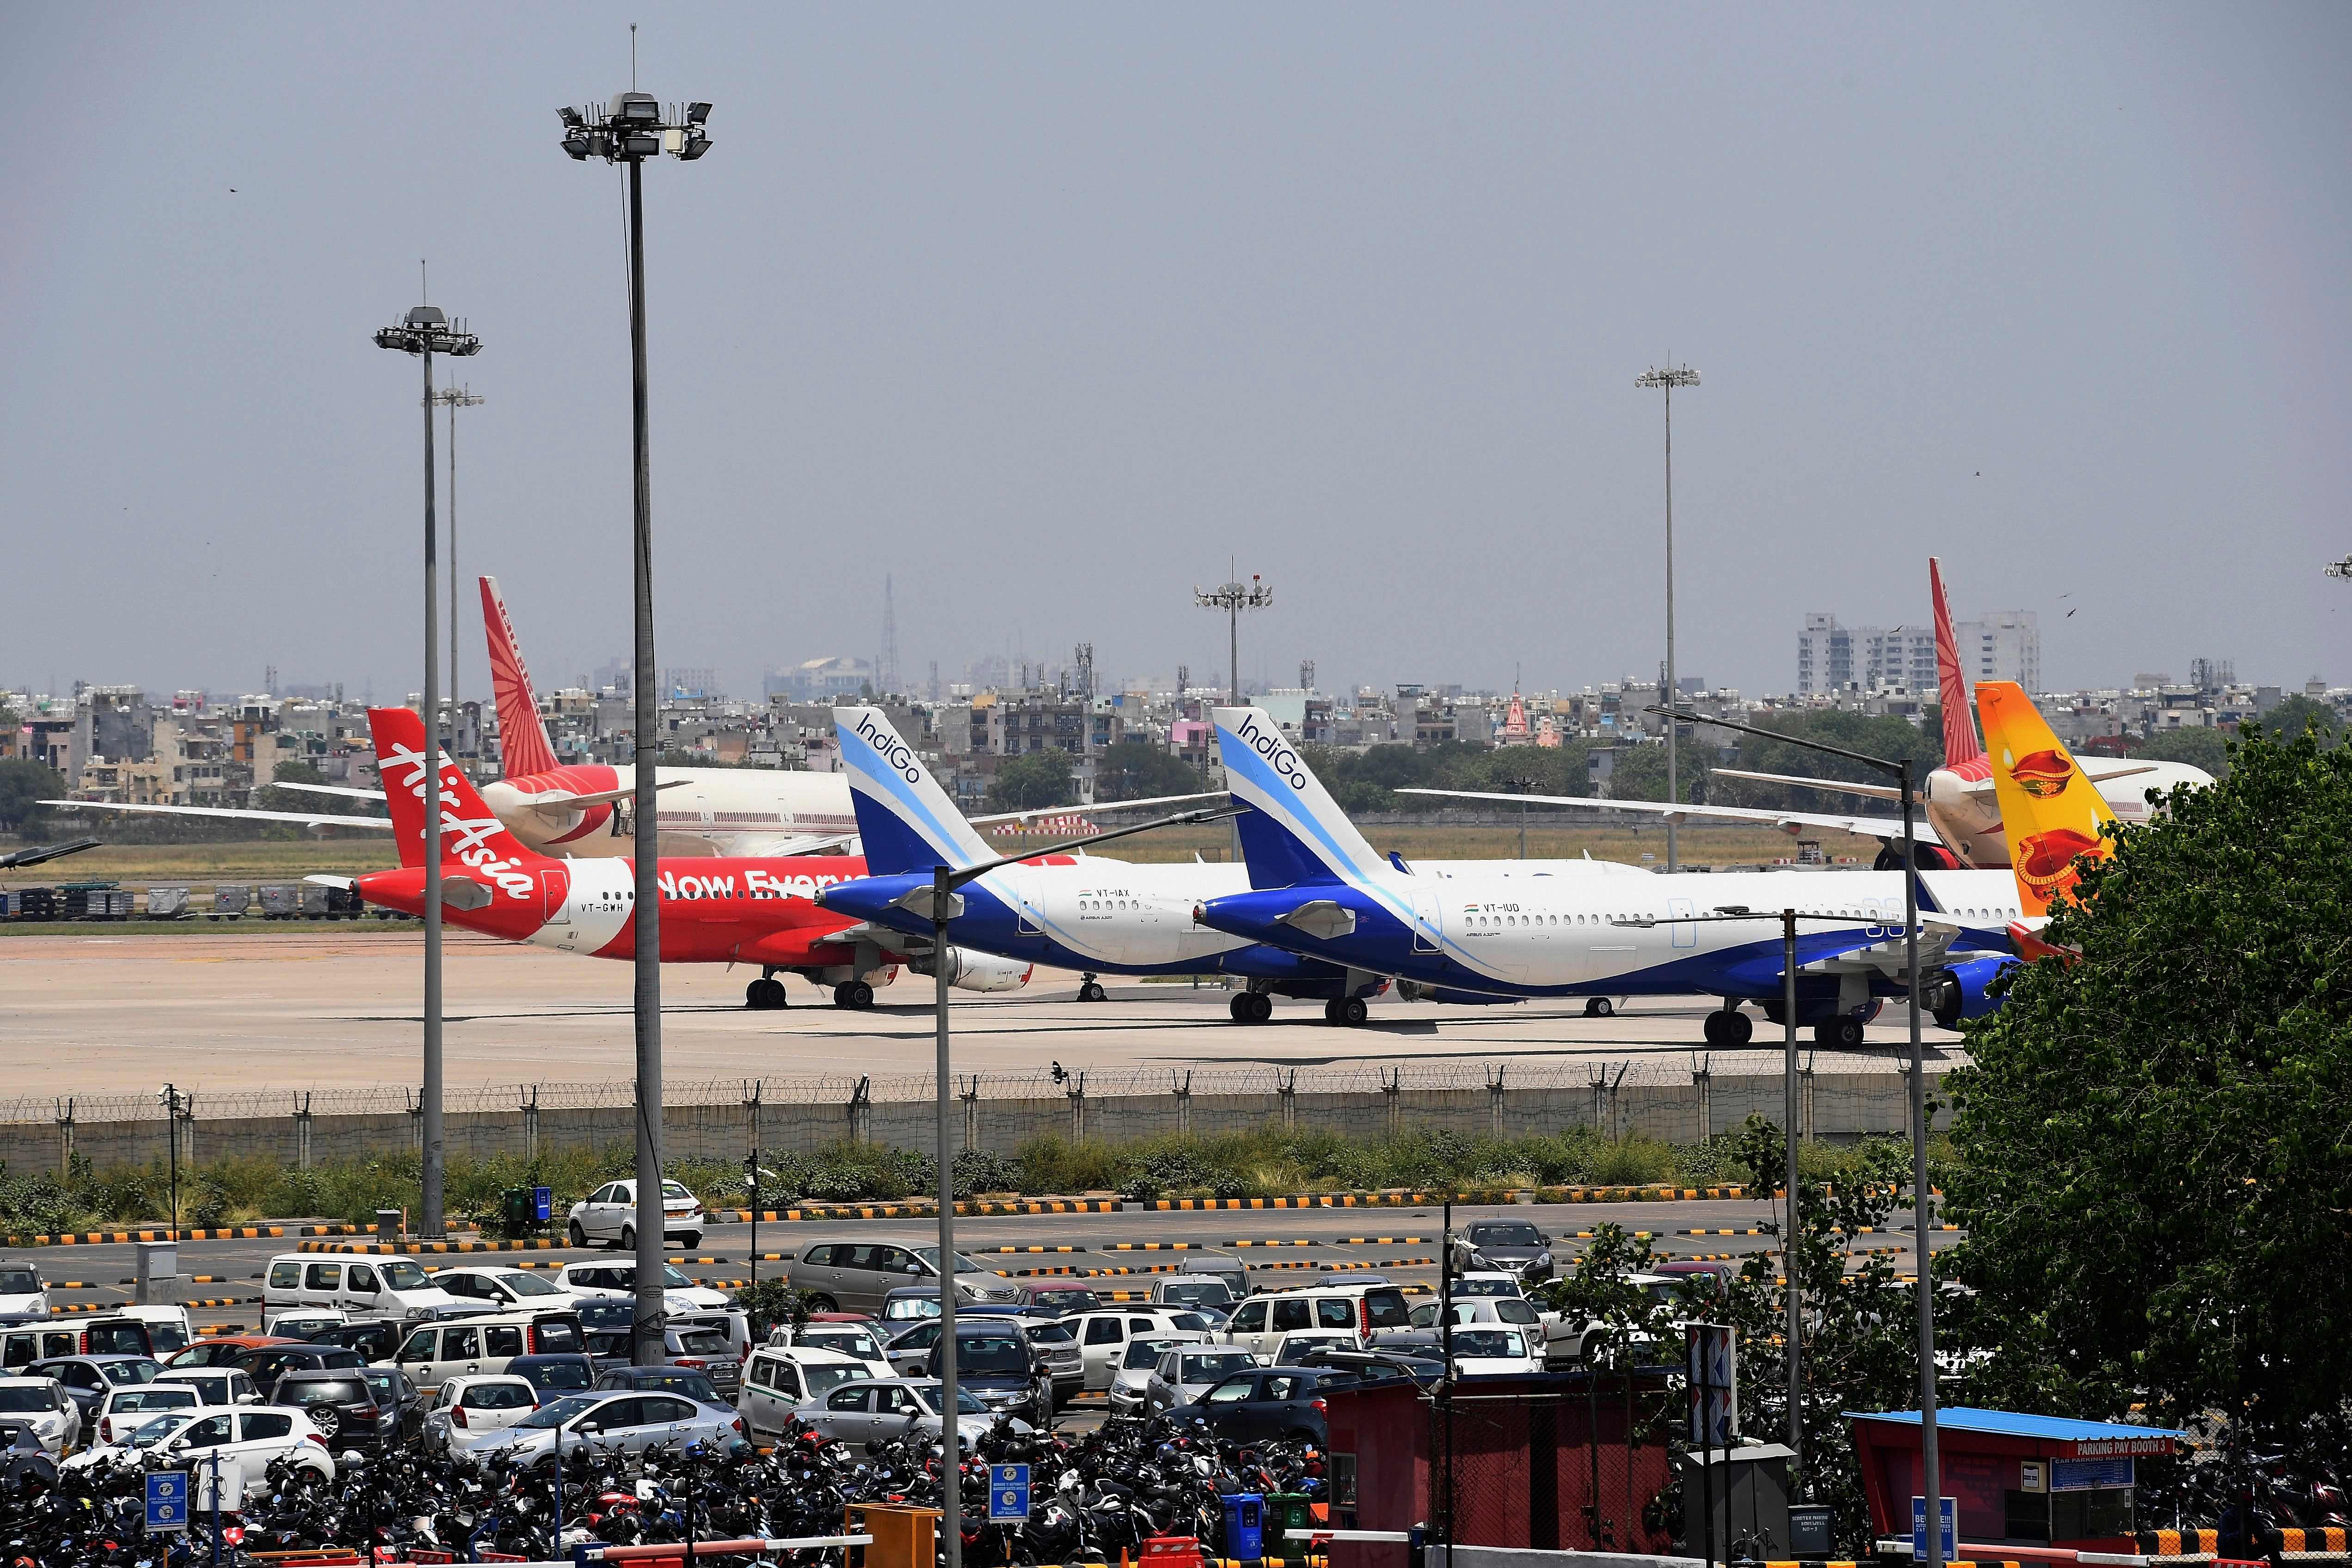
2015 1480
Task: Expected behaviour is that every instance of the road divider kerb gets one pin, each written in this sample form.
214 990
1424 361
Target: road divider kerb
380 1249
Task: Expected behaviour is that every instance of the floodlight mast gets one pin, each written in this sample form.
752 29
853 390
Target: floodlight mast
453 399
1666 381
425 331
632 127
1233 598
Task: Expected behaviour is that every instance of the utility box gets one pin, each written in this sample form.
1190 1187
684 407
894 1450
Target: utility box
230 901
1744 1491
904 1537
387 1224
167 903
281 900
157 1274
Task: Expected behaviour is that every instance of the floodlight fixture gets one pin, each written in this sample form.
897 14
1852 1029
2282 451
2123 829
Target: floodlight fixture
634 127
1233 598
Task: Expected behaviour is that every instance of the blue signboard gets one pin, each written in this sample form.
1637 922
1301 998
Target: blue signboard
1008 1494
542 1202
2085 1475
1950 1531
167 1499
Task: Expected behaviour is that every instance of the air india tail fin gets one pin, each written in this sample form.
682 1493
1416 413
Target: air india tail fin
2049 806
471 832
523 748
1952 687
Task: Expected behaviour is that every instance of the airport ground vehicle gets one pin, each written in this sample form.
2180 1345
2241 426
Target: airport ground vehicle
1267 1401
604 1423
1183 1374
467 1408
24 1297
252 1435
434 1352
341 1405
859 1275
620 1279
610 1215
86 1379
359 1288
775 1382
38 1405
875 1411
122 1409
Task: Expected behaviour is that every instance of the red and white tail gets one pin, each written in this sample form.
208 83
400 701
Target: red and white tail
471 832
1951 687
523 748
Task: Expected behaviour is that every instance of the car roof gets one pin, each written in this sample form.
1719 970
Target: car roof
96 1358
471 1378
23 1377
810 1355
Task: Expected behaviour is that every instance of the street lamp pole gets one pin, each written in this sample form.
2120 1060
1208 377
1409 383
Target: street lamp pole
453 399
1666 381
1791 1291
425 331
631 129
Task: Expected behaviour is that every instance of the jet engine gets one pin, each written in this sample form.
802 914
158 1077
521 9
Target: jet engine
971 971
1957 991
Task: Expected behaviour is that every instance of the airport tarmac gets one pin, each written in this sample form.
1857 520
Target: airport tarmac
331 1006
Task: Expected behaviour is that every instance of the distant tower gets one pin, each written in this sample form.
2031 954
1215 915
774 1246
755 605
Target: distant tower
1083 657
886 675
934 680
1306 675
1183 680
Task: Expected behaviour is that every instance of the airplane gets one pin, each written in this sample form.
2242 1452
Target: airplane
1468 935
580 809
1093 915
751 910
2061 818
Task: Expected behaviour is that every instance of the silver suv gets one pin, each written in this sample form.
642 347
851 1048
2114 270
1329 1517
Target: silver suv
855 1276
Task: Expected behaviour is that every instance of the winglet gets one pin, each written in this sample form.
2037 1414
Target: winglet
2051 809
471 832
1952 687
1294 832
523 745
904 820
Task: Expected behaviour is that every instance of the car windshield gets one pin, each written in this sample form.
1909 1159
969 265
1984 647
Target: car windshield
847 1339
1488 1342
964 1265
680 1380
558 1374
607 1314
967 1402
385 1385
558 1411
1513 1310
155 1396
1198 1293
1146 1352
523 1284
498 1396
167 1338
1049 1334
21 1398
703 1341
334 1393
124 1373
403 1275
19 1282
673 1278
906 1308
824 1380
1485 1288
1506 1233
669 1188
1069 1300
991 1353
1207 1365
156 1431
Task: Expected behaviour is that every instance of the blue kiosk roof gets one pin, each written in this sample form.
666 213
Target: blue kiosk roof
2011 1424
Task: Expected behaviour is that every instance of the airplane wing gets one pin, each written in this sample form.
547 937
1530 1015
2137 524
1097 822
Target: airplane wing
553 801
1098 809
346 791
776 845
324 820
1889 792
1787 821
40 855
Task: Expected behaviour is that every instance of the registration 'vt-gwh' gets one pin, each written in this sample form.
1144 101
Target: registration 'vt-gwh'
1469 933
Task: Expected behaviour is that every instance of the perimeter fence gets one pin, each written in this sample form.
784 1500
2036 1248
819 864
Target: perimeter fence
1843 1098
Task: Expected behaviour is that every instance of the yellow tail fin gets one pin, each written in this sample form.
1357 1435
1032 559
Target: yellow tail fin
2049 807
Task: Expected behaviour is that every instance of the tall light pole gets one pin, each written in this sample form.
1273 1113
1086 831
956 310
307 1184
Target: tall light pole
453 399
425 333
632 129
1666 381
1233 598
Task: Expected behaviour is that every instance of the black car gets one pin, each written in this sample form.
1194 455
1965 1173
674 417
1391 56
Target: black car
393 1392
691 1382
1268 1402
268 1364
376 1339
554 1376
608 1347
1503 1246
995 1361
341 1405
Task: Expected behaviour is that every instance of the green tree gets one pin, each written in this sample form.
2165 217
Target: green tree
23 784
2198 747
297 771
2291 717
1033 781
1639 773
1139 770
2156 1174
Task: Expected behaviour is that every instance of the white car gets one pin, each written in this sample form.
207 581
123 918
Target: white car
856 1341
23 1297
40 1406
1184 1373
880 1412
214 1385
122 1411
507 1290
1490 1351
1103 1335
251 1435
469 1406
358 1288
1486 1282
588 1281
1133 1374
610 1214
776 1381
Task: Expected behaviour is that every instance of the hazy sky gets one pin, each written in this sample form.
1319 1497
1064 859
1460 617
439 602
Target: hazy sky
1047 311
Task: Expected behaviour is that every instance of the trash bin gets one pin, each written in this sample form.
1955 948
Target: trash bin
520 1205
1245 1525
1289 1520
387 1224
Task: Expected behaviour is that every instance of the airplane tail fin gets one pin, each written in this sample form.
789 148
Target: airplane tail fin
523 746
2052 809
904 820
470 831
1952 687
1294 832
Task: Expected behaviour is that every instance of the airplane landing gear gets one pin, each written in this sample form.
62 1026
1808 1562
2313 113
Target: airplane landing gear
853 994
1843 1031
1600 1008
765 993
1730 1026
1090 990
1346 1011
1250 1007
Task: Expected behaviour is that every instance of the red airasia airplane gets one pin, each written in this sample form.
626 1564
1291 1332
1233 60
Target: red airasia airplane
714 909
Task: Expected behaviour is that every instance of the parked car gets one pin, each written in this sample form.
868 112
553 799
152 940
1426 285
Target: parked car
1377 1365
1489 1283
1057 1347
554 1376
24 1297
402 1399
375 1288
1509 1246
775 1382
1216 1266
1267 1401
878 1410
122 1410
1483 1352
110 1335
40 1406
860 1275
467 1408
376 1339
620 1279
610 1215
732 1325
214 1385
1259 1323
1103 1335
855 1339
906 1304
1184 1373
996 1360
505 1290
610 1423
694 1381
253 1435
265 1366
1298 1347
434 1354
87 1379
168 1328
1210 1295
1061 1297
341 1404
220 1351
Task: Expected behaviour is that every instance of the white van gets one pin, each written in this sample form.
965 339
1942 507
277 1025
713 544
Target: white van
434 1354
1103 1335
1260 1324
358 1287
774 1381
168 1327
